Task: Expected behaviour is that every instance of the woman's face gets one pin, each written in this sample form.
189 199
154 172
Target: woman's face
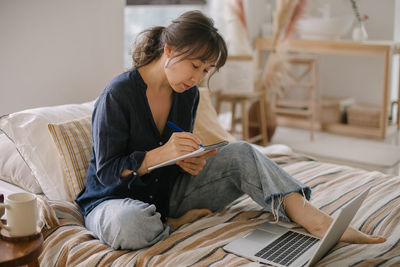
183 74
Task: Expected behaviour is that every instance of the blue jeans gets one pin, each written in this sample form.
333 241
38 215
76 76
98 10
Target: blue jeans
236 169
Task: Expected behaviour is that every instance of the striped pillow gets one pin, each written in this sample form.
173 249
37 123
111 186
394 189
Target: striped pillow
74 143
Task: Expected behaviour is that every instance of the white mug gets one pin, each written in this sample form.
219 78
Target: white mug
22 215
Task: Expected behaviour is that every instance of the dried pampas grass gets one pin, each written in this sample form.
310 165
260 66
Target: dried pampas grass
297 13
286 15
275 69
283 12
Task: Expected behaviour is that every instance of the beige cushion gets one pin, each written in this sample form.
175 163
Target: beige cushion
28 131
74 142
207 126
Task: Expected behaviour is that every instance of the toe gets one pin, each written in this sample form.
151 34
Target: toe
378 239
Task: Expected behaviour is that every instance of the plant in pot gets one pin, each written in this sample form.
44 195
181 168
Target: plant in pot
359 31
286 15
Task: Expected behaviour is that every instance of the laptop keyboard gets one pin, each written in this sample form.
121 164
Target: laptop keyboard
287 248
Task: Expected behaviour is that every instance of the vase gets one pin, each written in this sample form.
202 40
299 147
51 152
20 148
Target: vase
359 32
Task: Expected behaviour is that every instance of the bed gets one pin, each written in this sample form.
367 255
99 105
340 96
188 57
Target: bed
44 151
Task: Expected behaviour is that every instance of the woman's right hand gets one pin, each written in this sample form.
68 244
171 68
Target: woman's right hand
180 143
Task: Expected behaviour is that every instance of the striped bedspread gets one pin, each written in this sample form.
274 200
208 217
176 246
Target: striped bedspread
69 243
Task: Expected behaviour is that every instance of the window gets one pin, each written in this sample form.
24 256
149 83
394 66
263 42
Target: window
165 2
140 15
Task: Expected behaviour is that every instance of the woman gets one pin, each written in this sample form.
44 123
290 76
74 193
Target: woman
127 206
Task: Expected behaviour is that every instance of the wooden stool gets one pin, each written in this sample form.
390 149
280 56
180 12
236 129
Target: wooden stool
304 84
244 99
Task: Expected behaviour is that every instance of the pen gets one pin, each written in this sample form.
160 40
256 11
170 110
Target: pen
176 128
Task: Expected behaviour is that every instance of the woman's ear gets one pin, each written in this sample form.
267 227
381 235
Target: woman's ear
167 50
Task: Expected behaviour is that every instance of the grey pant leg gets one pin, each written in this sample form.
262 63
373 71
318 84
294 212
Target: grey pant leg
126 224
236 169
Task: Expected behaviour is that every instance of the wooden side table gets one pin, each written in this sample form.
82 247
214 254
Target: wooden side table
17 253
245 99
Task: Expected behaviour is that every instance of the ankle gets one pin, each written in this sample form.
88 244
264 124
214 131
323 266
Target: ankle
319 226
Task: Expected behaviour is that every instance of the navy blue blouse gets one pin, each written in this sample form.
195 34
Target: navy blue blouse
123 129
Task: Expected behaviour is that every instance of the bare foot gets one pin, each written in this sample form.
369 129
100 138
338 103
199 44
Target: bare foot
188 217
317 222
352 235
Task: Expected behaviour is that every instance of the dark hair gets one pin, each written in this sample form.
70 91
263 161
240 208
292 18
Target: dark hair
192 33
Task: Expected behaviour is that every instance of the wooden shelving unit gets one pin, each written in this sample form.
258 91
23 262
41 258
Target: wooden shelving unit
384 49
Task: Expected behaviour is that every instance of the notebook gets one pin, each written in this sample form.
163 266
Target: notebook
202 150
280 246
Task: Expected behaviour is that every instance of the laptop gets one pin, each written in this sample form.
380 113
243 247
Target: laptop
280 246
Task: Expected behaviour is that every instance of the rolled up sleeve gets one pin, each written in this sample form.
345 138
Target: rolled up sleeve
111 134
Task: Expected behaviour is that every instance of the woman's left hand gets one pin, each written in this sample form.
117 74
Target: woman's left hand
194 165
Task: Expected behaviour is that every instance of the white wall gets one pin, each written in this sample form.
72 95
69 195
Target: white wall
57 52
362 77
